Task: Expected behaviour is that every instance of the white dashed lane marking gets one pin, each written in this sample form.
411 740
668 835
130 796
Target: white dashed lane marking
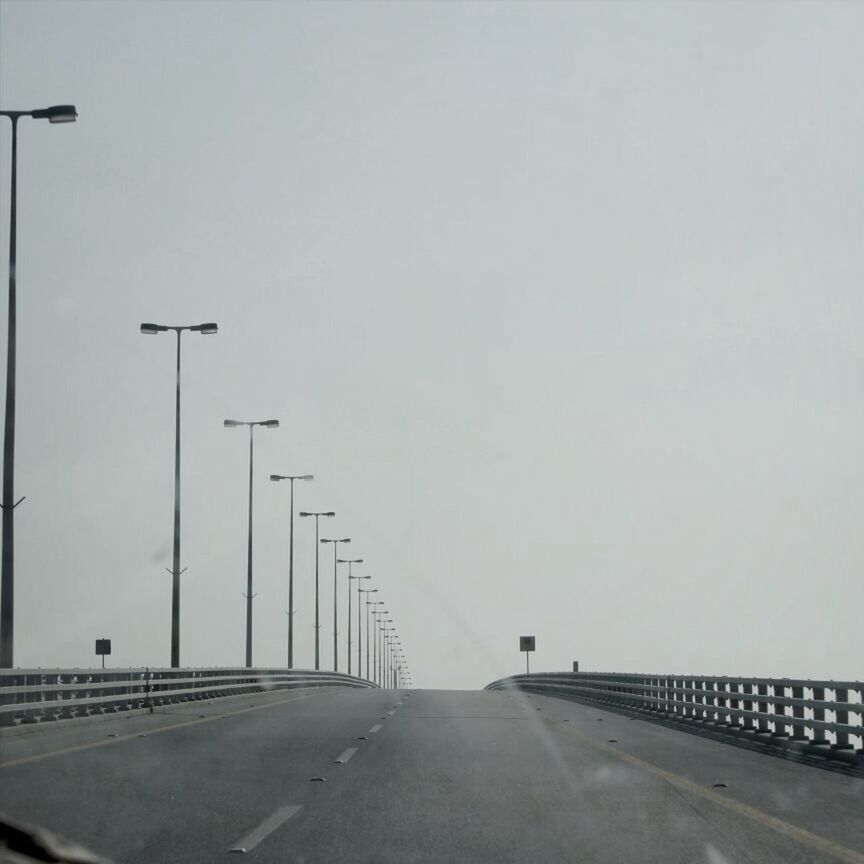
346 755
268 826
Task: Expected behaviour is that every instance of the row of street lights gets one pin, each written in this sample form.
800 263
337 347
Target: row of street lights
151 329
389 667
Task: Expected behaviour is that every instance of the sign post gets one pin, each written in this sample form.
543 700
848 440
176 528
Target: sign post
103 647
526 644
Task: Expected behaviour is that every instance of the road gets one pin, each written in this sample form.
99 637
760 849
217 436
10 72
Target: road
426 776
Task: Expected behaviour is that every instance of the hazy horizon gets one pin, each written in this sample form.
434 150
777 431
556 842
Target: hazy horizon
560 303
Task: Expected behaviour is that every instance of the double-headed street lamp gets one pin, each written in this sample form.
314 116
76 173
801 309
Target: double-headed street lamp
336 597
394 656
377 623
55 114
153 330
386 655
349 562
385 658
360 593
383 627
369 628
391 670
360 601
390 657
233 424
327 514
385 637
400 660
397 659
292 478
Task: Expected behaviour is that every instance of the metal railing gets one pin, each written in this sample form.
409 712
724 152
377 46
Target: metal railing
39 695
814 716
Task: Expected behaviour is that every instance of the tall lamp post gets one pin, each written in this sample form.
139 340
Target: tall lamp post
382 631
379 647
349 562
397 673
336 597
385 653
369 630
328 514
376 627
385 670
233 424
55 114
360 593
390 658
153 330
394 644
385 647
292 478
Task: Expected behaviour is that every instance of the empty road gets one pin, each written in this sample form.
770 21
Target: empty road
450 776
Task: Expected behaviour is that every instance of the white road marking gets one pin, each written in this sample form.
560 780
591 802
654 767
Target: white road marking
346 755
375 728
390 713
268 826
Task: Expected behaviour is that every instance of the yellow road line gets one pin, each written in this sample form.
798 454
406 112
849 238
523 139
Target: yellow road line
800 835
24 760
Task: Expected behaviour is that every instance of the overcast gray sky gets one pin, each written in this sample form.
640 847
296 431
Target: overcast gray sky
561 303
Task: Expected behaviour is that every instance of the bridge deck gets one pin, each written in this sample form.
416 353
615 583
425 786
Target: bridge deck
448 776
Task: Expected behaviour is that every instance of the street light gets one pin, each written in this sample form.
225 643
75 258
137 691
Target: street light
349 562
389 656
317 516
392 668
292 478
385 631
394 660
233 424
365 601
385 659
382 629
367 592
369 629
336 598
393 641
55 114
397 664
149 329
376 626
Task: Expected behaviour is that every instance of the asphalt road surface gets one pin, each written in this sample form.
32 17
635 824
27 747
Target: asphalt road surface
336 775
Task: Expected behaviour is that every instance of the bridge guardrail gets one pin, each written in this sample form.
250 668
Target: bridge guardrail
799 713
39 695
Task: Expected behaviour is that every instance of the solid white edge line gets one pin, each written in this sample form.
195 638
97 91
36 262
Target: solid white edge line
347 755
268 826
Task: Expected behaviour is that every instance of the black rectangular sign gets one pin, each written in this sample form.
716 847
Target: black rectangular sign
103 646
526 643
